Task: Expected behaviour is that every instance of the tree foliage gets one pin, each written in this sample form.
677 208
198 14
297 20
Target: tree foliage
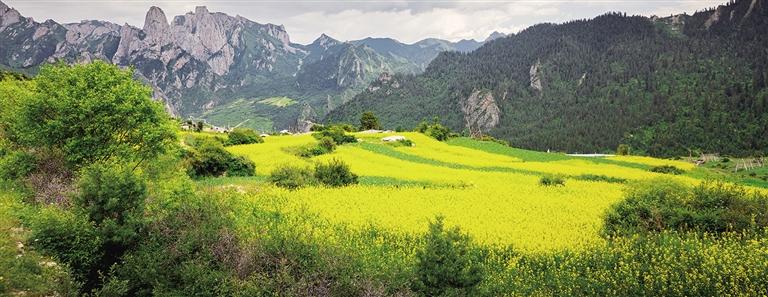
93 112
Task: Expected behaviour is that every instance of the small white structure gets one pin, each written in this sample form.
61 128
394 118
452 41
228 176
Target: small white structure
286 132
393 138
264 135
372 131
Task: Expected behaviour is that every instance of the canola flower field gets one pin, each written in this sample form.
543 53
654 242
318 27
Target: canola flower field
491 191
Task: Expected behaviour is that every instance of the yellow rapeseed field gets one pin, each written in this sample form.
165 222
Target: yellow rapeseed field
494 197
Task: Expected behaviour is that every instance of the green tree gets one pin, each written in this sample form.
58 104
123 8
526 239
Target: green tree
199 126
448 264
369 121
94 112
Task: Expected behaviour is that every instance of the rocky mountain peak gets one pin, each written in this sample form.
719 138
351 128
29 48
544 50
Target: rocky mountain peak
156 24
495 35
8 15
325 41
201 10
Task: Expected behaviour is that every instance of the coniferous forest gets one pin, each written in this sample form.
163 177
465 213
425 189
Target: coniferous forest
664 86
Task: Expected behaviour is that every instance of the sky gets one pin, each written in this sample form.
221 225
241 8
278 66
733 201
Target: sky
405 20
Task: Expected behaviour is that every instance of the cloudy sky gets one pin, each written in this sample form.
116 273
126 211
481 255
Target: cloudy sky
406 20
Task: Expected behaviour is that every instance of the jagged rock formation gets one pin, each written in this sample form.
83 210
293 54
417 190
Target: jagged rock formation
204 60
535 72
481 113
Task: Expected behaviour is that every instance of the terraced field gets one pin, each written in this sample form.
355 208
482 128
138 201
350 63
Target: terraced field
488 189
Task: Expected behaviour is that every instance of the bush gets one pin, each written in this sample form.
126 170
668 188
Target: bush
552 180
337 133
71 239
112 198
327 144
660 204
601 178
243 136
335 174
667 169
240 166
622 150
210 158
17 164
448 263
405 142
291 177
438 131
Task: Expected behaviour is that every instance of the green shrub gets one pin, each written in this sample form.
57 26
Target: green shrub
667 169
327 143
438 131
243 136
448 263
601 178
292 177
17 164
240 166
405 142
337 133
71 239
210 158
335 174
622 150
552 180
660 204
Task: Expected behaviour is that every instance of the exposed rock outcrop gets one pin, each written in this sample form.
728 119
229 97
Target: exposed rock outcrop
536 81
481 113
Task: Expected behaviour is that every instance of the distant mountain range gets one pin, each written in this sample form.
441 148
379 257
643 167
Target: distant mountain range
219 67
667 86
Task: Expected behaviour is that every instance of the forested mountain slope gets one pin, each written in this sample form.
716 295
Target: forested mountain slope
665 86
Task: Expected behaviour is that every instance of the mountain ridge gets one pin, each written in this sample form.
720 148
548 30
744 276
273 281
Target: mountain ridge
202 61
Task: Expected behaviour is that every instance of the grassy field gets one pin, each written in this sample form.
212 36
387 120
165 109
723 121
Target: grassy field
488 189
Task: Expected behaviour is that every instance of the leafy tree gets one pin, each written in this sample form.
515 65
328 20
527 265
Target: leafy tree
448 263
199 126
94 112
244 136
369 121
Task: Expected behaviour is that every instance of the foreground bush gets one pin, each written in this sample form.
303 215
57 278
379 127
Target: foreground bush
448 264
660 204
292 177
243 136
335 174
